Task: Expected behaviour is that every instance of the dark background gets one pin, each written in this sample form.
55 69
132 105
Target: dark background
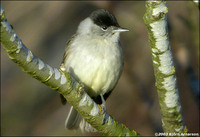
28 107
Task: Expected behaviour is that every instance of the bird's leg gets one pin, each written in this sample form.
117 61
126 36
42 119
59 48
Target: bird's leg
103 105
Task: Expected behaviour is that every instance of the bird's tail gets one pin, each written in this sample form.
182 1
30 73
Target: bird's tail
75 121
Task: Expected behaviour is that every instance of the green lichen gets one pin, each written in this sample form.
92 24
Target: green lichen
170 116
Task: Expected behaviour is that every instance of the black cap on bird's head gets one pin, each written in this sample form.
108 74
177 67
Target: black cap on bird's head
100 23
102 17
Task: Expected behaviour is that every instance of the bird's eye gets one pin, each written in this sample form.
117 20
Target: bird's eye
104 28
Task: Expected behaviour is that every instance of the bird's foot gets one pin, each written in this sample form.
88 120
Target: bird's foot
103 105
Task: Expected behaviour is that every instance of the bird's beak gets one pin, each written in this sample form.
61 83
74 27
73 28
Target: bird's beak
120 30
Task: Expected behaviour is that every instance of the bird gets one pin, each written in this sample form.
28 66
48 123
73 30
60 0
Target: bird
94 57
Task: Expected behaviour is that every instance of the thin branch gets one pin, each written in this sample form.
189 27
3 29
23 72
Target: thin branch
196 3
156 22
61 81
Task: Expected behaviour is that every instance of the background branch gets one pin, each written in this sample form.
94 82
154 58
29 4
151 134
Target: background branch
196 3
156 22
60 81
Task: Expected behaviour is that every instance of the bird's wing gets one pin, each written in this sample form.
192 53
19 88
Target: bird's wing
66 51
62 67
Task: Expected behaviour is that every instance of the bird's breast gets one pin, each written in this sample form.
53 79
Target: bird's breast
98 65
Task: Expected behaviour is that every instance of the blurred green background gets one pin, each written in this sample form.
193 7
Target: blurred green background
29 108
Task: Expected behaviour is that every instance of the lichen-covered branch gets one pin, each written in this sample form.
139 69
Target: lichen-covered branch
196 3
60 81
155 19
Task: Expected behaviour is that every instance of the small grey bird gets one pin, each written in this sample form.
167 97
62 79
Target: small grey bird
94 57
